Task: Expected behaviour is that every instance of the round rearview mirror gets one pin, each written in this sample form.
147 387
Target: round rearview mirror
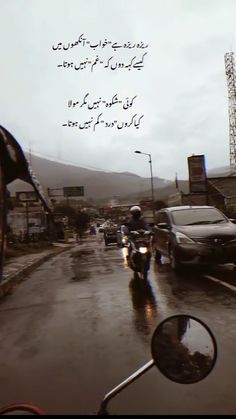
21 409
184 349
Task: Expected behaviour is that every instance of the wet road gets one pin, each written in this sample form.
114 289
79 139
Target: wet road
80 324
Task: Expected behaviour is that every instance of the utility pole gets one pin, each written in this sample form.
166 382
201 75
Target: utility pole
151 178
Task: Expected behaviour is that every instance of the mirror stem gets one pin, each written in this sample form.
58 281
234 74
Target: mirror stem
124 384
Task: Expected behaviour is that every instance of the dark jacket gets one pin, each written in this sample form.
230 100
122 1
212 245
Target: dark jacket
137 224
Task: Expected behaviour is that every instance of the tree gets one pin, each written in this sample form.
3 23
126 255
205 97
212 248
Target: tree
81 222
159 204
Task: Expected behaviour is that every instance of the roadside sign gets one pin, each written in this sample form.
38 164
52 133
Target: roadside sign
197 173
26 196
73 191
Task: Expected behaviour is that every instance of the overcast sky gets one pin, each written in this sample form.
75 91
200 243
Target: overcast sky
181 89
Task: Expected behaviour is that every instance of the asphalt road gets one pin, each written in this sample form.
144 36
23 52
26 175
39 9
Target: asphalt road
80 324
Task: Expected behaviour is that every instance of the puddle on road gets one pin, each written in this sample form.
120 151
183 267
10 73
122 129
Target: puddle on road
109 248
81 273
82 252
80 261
82 276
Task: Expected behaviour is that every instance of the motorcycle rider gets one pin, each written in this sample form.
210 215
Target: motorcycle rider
136 222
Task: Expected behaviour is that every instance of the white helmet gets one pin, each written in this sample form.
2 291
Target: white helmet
136 211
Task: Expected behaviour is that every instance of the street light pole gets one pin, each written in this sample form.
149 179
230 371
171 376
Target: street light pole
152 187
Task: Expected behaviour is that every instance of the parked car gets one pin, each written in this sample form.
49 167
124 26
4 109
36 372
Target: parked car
194 235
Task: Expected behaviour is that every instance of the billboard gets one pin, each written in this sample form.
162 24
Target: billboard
26 196
197 173
73 191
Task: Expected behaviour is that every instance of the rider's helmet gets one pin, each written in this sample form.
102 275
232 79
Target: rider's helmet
136 211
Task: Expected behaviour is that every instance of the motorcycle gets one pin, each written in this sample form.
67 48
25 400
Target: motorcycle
183 349
139 252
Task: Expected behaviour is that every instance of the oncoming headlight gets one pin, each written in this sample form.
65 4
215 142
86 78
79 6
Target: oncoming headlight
182 238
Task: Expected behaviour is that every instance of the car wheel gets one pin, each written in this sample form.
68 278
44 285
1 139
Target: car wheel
174 263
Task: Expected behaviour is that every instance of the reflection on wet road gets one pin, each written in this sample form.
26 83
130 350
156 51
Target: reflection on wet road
144 304
81 324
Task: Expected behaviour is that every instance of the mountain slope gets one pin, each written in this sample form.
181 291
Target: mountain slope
97 184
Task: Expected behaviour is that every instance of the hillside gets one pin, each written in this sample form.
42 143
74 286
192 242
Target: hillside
97 184
101 185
